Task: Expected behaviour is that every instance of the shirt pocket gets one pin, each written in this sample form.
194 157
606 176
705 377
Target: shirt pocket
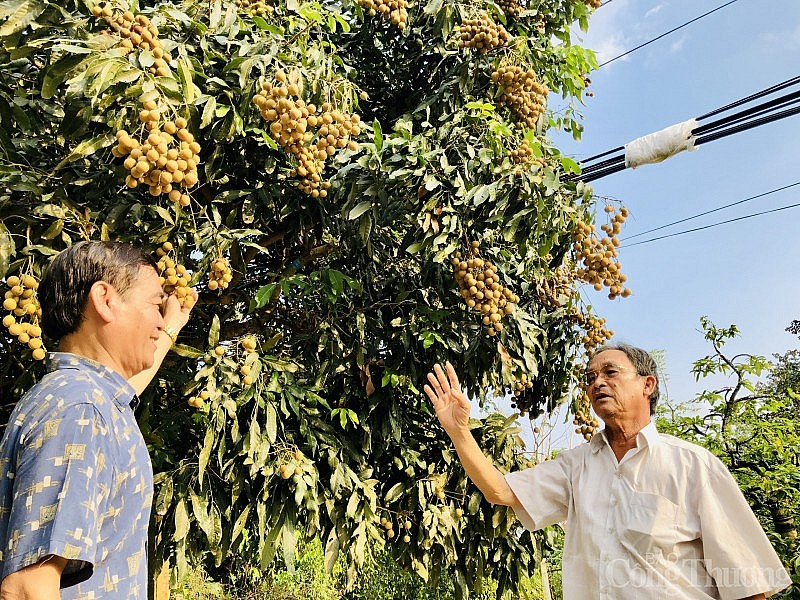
650 526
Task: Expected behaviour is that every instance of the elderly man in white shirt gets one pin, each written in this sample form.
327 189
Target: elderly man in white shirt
648 516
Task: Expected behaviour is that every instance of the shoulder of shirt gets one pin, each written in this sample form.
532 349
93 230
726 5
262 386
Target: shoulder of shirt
70 388
689 450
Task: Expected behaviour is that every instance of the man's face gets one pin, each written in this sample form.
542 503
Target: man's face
139 322
615 389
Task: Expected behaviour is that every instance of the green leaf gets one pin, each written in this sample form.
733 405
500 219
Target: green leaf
240 523
86 148
332 546
164 499
7 249
474 503
200 512
395 492
58 73
359 209
187 351
181 521
213 333
377 135
185 72
19 14
272 423
205 453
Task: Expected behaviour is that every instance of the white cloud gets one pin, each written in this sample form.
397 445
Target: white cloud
677 45
787 40
653 11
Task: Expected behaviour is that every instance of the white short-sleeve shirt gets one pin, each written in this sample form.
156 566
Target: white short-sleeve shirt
667 521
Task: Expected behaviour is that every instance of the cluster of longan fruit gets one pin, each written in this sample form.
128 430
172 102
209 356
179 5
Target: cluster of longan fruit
511 8
198 401
521 92
480 286
554 290
166 161
593 3
291 464
390 532
525 155
174 276
249 344
136 31
394 11
23 321
221 275
255 7
482 33
586 425
520 383
598 255
309 135
596 334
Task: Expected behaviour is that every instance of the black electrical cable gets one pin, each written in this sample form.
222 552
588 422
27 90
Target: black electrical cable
765 92
754 116
666 33
713 210
749 125
750 216
749 112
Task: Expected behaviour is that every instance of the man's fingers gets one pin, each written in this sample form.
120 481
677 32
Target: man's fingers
451 374
441 376
431 394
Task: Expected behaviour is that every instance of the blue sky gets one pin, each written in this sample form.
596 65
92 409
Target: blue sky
744 273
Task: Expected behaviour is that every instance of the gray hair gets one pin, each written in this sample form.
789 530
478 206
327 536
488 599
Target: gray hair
642 361
68 278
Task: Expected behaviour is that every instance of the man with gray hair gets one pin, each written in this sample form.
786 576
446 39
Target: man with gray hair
76 482
648 516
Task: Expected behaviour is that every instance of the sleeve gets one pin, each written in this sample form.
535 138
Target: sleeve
60 488
737 552
544 491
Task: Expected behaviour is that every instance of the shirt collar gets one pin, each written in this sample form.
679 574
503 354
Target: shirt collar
647 437
122 393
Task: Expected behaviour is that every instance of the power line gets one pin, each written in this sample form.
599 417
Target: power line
666 33
750 216
767 111
713 210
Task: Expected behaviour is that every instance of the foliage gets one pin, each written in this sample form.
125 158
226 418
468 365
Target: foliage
350 293
381 578
753 428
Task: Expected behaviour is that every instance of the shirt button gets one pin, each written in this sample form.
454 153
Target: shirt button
613 502
610 530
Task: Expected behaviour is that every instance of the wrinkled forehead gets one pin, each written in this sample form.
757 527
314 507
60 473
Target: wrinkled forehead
616 358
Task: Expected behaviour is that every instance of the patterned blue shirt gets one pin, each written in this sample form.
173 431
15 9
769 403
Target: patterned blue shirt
76 481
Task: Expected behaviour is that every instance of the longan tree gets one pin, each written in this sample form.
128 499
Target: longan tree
357 190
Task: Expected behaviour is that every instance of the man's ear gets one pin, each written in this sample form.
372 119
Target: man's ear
649 384
101 297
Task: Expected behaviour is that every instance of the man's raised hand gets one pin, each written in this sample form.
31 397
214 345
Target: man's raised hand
452 407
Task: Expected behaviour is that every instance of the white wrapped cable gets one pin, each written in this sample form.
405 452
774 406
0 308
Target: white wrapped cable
658 146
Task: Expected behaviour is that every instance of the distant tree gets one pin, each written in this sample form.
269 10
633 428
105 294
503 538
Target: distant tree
753 427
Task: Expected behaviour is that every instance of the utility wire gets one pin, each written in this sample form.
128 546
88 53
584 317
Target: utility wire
666 33
758 214
764 92
766 112
713 210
